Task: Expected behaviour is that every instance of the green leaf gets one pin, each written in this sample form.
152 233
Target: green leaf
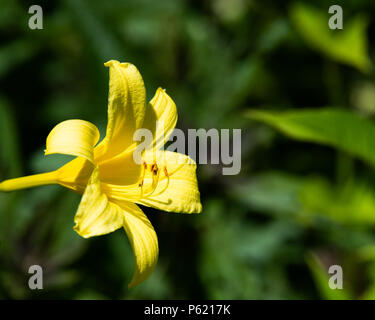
341 129
348 45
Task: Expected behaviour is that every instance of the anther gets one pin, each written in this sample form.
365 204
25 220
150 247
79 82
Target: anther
167 184
154 168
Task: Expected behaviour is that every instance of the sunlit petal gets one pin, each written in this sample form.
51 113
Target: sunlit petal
143 240
177 186
73 137
161 117
97 215
126 109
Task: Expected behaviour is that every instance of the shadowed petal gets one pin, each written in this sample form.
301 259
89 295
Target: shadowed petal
96 215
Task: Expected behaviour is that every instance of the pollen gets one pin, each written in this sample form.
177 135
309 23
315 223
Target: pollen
154 169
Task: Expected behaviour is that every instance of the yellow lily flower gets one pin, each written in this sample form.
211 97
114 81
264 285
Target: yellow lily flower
111 182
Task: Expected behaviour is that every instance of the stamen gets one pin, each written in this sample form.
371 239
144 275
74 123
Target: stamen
167 176
144 167
167 184
154 168
155 179
118 192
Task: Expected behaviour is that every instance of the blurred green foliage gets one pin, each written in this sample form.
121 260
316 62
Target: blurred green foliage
338 128
271 232
347 46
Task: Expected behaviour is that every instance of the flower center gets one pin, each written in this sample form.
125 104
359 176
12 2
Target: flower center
150 178
155 173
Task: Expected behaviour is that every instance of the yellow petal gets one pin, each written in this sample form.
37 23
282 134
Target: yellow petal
161 117
96 215
143 240
121 169
177 186
126 109
73 137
